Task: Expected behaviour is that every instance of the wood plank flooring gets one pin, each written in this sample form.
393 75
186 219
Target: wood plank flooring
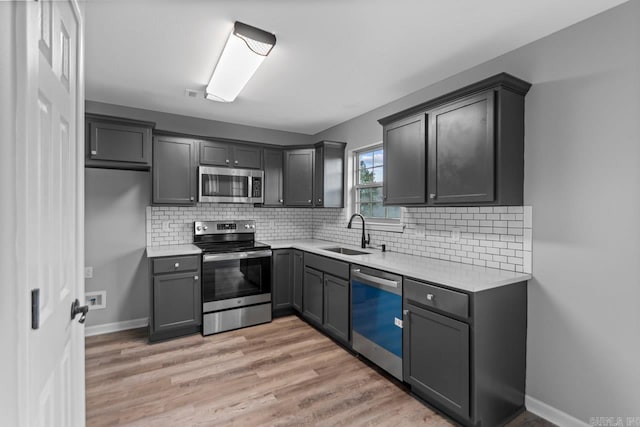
284 373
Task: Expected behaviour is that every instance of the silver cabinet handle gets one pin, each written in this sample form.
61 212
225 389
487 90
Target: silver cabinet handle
281 201
319 200
177 264
195 277
191 198
405 312
432 195
226 161
309 201
431 297
236 162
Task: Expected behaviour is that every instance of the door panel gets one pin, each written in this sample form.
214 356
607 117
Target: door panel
49 211
215 153
273 178
245 156
174 173
298 278
298 177
312 295
336 307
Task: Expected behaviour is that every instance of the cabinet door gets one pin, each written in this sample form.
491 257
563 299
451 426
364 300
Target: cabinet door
282 274
298 279
273 178
215 153
331 193
436 358
461 151
336 307
247 156
176 301
405 161
174 171
298 177
318 177
115 142
312 301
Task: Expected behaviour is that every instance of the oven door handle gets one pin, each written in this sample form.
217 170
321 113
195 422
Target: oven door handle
236 255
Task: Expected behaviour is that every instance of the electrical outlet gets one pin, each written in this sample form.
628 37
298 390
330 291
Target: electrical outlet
88 272
96 300
455 234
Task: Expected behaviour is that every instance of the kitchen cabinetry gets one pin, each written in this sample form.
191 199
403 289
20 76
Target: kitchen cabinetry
282 281
466 353
325 300
298 176
117 143
298 278
273 178
475 147
174 170
328 186
232 154
176 307
405 161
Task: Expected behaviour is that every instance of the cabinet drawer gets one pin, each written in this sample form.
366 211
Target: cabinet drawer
176 264
328 265
456 303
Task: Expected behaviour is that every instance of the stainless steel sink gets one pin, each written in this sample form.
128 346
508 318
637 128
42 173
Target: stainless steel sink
345 251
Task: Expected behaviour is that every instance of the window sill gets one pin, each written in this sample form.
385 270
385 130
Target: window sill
379 226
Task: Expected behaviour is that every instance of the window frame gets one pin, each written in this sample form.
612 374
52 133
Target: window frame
387 224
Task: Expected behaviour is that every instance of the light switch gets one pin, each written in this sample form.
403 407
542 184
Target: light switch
88 272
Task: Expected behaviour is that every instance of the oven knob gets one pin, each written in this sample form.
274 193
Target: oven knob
198 228
247 226
204 227
253 226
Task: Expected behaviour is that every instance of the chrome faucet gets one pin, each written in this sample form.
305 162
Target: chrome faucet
364 242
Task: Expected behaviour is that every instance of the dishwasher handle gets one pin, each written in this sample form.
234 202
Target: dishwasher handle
367 278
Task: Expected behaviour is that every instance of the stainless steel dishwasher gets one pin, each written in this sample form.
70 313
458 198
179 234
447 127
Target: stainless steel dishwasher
376 317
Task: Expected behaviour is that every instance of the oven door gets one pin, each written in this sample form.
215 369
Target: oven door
235 279
226 185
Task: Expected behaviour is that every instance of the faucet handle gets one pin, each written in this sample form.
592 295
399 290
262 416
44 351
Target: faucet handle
368 239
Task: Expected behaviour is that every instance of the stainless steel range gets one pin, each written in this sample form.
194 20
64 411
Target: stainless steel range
236 275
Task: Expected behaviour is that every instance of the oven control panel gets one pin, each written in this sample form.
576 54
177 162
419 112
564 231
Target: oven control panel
222 227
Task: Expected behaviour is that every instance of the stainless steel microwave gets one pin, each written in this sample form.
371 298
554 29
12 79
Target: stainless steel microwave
230 185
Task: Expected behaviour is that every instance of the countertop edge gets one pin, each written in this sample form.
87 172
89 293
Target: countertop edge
172 250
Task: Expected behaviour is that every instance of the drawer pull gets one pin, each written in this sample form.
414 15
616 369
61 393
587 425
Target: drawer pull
431 297
177 265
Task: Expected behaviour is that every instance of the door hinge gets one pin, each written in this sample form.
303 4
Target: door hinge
35 308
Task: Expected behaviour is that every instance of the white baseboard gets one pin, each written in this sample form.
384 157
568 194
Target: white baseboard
549 413
115 327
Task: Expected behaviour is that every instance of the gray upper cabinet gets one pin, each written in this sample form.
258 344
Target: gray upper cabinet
474 149
298 176
461 151
273 178
232 154
404 167
174 170
117 143
328 182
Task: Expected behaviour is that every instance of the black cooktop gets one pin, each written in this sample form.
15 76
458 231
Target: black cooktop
220 247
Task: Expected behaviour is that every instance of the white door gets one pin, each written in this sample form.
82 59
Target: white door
49 210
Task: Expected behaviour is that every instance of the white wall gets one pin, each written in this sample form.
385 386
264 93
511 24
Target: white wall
582 151
115 242
8 299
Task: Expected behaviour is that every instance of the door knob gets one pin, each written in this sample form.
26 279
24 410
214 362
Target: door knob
430 297
176 265
432 195
76 309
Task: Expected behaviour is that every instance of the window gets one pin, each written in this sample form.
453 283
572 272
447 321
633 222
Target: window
369 177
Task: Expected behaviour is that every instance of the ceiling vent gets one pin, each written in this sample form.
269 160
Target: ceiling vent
190 93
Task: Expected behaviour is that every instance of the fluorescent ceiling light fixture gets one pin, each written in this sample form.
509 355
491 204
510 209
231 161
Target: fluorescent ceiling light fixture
245 50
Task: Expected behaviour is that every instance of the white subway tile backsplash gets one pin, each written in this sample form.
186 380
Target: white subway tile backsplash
496 237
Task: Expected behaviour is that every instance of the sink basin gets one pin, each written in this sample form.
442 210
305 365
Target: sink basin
345 251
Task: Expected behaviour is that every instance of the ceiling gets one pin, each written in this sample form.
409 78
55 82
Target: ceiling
333 60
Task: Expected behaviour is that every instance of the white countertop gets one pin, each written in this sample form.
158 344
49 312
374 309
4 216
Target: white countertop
465 277
172 250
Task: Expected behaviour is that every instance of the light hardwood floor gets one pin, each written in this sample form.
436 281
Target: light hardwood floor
284 373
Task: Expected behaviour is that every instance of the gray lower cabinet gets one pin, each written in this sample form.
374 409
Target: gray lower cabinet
436 358
117 143
298 278
176 307
174 171
313 298
273 178
465 353
282 281
336 307
298 177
